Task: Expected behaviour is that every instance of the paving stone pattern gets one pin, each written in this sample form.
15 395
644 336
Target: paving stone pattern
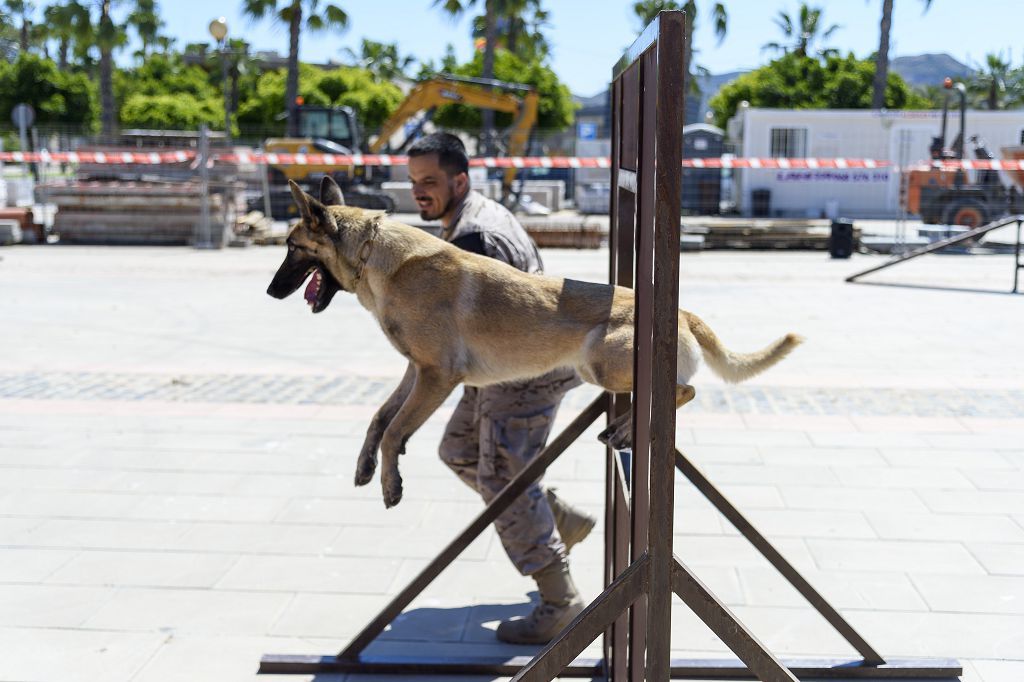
177 449
359 390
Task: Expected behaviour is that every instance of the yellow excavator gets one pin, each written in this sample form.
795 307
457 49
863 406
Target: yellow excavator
336 130
475 92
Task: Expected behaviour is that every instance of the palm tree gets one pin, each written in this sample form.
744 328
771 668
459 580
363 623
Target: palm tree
382 59
800 34
882 56
454 9
989 83
521 23
22 9
318 16
68 23
108 37
647 10
146 20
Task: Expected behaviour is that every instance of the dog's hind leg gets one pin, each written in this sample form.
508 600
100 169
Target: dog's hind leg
367 462
619 434
430 388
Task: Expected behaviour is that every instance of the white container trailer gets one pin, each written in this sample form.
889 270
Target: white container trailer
900 137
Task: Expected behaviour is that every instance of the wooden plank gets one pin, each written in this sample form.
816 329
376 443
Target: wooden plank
665 104
628 132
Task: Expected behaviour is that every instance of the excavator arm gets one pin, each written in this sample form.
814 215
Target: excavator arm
438 91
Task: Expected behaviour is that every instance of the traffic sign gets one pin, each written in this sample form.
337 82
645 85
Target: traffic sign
23 115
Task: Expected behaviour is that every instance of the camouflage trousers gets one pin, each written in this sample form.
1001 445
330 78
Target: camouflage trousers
493 433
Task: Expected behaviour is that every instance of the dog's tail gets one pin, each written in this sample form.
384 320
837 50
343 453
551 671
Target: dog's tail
735 367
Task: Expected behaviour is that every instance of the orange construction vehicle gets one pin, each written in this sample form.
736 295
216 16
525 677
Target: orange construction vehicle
948 196
336 130
475 92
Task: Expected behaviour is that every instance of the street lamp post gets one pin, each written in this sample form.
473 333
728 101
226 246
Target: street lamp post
219 31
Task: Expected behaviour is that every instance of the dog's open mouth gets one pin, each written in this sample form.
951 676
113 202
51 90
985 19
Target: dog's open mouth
320 290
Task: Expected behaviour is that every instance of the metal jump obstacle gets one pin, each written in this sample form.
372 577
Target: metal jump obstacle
641 571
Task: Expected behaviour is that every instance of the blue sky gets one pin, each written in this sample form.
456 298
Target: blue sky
588 35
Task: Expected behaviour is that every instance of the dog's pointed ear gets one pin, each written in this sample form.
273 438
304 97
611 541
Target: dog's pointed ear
330 193
301 199
312 211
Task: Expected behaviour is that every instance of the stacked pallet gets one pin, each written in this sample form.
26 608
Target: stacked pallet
565 232
130 212
750 233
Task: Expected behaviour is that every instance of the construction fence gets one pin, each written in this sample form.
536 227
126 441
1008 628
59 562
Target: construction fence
191 187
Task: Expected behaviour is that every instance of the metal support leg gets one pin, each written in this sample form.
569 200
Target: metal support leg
1016 256
768 551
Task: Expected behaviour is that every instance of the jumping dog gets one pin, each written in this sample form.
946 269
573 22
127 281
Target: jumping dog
462 318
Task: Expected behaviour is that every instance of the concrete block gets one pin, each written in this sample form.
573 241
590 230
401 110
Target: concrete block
10 232
311 574
148 569
49 606
911 557
190 611
58 654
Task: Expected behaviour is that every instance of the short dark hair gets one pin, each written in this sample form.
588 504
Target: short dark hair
451 153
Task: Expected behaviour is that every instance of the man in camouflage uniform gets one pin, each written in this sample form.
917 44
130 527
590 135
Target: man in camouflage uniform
496 430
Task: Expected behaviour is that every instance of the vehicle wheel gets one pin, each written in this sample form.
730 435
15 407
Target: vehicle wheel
966 212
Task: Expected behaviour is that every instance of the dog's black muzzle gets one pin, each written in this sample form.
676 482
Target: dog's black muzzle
290 276
295 270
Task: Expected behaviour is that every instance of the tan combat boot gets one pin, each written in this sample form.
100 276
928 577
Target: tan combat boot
560 603
573 525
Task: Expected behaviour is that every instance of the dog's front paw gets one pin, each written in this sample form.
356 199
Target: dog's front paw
392 488
365 467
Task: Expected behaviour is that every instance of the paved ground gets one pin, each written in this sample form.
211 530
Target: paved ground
176 451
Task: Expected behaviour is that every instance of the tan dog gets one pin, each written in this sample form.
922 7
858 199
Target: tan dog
461 318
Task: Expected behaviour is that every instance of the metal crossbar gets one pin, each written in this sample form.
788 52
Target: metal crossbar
962 238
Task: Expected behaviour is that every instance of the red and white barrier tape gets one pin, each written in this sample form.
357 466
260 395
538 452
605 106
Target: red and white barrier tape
154 158
117 158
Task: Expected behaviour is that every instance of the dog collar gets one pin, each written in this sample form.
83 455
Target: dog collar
364 252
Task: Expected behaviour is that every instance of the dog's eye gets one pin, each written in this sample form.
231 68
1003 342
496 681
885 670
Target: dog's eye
291 247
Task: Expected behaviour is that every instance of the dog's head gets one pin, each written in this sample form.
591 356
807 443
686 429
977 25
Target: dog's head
310 243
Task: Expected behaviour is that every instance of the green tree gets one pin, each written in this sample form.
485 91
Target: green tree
69 25
22 10
880 82
381 59
372 99
108 38
455 9
988 84
1015 88
520 28
318 16
58 98
555 108
145 19
167 74
802 31
647 10
795 82
171 112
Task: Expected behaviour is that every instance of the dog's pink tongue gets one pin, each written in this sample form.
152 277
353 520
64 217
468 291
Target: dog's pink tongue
312 288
